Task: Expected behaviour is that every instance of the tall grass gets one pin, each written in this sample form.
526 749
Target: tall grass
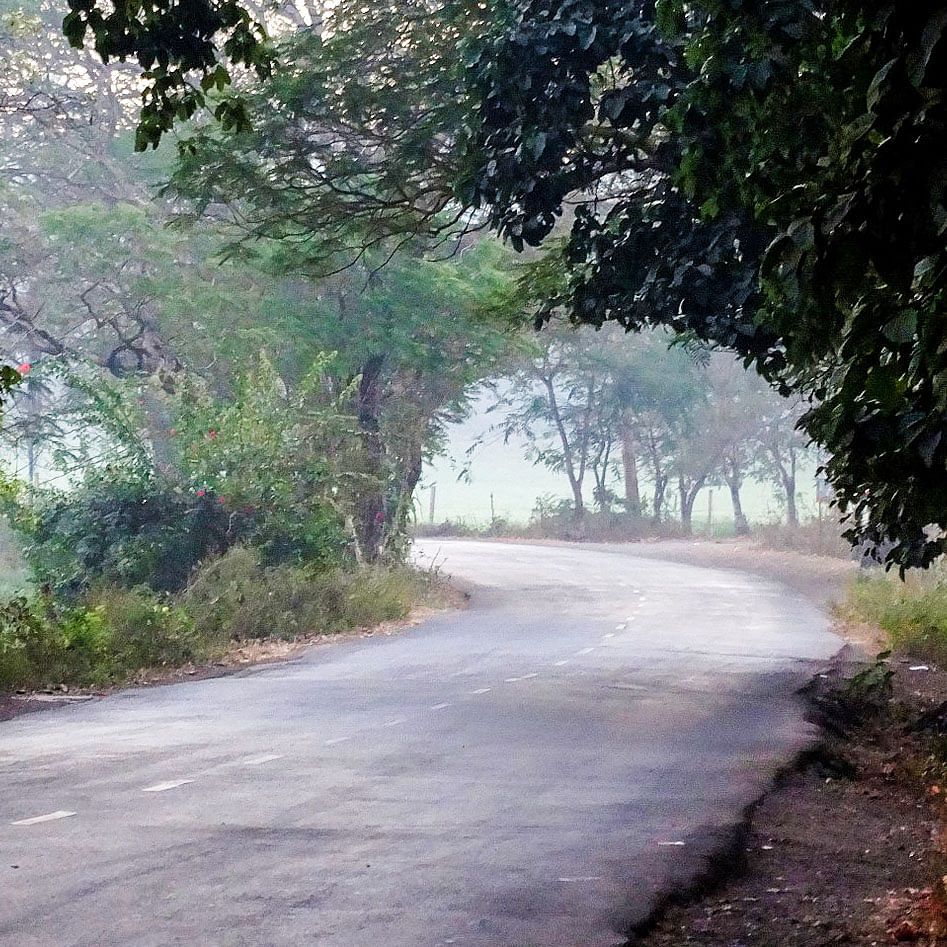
115 632
912 613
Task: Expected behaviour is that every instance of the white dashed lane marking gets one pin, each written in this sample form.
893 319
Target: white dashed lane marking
336 740
50 817
481 690
395 723
584 651
170 784
439 706
260 760
560 664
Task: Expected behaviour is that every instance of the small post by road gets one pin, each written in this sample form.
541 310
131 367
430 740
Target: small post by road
431 507
493 512
710 512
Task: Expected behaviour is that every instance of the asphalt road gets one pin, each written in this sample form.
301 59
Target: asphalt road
525 773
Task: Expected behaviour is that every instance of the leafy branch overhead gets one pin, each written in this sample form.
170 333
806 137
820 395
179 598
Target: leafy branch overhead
763 177
182 49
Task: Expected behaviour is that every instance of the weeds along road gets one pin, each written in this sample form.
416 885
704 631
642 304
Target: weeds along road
530 771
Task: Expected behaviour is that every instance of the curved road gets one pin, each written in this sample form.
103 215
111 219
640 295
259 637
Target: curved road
526 773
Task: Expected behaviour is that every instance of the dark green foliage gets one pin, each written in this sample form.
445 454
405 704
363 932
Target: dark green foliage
123 529
181 49
774 184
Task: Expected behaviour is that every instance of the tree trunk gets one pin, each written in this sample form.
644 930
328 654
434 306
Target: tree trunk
660 486
396 543
740 524
789 483
689 495
630 467
792 515
370 501
575 480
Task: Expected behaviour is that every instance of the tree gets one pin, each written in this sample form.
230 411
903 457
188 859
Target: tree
765 176
781 444
778 196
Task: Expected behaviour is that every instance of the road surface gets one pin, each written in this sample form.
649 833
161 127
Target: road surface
526 773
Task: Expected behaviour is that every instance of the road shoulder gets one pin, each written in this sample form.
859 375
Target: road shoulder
849 846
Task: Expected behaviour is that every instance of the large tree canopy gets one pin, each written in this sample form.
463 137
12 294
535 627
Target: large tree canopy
766 176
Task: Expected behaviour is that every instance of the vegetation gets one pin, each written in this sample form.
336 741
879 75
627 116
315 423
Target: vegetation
764 177
911 612
115 632
644 420
188 417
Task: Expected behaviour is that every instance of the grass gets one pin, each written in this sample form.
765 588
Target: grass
115 632
912 613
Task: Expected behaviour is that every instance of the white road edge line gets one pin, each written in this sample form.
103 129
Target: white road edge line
669 844
170 784
51 817
580 878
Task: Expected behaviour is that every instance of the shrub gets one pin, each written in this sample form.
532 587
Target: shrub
144 630
121 529
912 613
40 646
235 597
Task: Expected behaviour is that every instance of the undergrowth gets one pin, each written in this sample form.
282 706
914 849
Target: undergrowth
114 632
911 612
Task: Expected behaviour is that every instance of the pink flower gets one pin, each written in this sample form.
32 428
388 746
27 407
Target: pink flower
221 499
24 369
202 493
212 434
379 517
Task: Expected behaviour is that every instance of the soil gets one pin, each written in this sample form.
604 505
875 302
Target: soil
850 847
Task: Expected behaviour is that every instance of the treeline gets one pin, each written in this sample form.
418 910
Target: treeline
637 423
206 442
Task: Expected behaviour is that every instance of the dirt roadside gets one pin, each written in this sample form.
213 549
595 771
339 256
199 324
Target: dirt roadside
850 846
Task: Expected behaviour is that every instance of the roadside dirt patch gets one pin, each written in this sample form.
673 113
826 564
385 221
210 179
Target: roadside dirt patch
849 848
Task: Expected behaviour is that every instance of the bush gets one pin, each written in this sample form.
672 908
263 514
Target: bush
124 530
912 613
105 640
235 597
113 631
144 631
